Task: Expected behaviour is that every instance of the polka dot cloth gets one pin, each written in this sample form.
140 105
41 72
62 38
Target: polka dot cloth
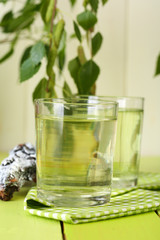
124 202
149 181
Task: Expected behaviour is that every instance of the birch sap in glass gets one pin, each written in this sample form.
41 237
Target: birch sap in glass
75 145
127 152
128 141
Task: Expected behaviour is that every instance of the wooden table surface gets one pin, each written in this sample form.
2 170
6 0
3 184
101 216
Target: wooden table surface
16 224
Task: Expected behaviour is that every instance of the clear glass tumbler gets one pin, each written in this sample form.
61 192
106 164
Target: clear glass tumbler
128 139
75 141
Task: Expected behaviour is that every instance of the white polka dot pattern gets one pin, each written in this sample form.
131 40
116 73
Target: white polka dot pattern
124 202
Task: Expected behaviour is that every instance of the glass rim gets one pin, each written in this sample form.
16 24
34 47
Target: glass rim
62 100
115 97
123 101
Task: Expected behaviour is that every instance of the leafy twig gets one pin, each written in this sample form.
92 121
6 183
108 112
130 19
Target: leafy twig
51 44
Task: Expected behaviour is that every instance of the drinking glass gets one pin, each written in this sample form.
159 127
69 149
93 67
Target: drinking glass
128 139
75 141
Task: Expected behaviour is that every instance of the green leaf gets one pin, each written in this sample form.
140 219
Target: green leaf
94 4
81 55
58 32
40 90
50 10
61 60
31 60
24 19
96 43
77 31
74 67
28 1
157 71
104 2
10 51
73 35
61 51
85 3
28 69
3 1
88 74
30 7
86 19
66 90
38 51
7 18
73 2
62 43
47 49
43 9
19 23
7 55
26 54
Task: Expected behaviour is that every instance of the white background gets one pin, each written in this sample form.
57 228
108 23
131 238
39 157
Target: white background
131 44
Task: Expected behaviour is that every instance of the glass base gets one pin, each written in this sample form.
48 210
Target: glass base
66 199
119 182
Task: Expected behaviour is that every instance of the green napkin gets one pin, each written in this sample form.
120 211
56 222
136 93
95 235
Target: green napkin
149 181
123 202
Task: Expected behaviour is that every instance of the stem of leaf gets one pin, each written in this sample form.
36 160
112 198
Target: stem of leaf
88 35
52 22
51 37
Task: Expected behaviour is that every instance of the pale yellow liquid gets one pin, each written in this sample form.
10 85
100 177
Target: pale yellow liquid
74 160
127 152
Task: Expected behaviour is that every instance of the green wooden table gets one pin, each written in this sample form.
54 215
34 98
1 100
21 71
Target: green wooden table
15 224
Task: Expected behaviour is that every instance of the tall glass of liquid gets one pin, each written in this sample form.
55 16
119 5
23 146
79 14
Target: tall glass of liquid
128 140
75 142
